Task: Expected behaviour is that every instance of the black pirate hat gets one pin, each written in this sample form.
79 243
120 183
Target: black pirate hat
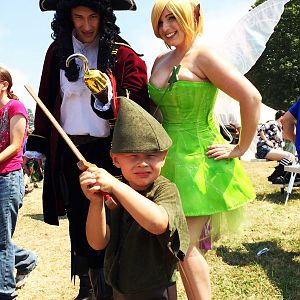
116 5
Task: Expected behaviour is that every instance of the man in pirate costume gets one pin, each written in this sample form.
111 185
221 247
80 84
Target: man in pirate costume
86 27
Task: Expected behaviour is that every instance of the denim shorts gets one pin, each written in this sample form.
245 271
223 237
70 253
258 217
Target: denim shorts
262 151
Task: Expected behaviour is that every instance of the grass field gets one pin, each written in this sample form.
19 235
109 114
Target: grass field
236 271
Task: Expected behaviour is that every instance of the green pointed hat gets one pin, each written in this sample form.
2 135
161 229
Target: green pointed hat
137 131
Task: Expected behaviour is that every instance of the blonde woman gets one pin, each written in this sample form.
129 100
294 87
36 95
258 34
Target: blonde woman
184 84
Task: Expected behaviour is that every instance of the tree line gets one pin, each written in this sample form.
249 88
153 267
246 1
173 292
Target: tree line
276 74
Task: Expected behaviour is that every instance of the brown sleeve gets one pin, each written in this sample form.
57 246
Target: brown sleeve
48 92
131 75
176 238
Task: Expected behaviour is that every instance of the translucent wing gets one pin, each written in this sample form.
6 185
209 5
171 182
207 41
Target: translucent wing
245 43
242 47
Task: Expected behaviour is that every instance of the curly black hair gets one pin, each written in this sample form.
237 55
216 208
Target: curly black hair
62 27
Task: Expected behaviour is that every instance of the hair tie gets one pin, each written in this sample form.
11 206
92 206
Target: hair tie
11 95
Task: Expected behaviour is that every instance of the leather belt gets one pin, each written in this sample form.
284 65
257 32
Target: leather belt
83 139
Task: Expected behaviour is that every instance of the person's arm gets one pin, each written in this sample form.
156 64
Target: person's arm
289 126
237 86
264 138
149 215
97 231
17 131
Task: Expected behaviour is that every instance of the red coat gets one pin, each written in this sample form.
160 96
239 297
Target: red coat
130 73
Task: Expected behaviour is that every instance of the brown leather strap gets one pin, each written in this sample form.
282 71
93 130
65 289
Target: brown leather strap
83 139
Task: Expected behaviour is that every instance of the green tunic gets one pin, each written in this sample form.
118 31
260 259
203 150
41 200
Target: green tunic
206 186
136 260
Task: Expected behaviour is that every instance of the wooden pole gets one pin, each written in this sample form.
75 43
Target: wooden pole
66 138
82 163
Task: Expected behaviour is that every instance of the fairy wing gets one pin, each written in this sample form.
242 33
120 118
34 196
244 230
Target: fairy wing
247 40
243 45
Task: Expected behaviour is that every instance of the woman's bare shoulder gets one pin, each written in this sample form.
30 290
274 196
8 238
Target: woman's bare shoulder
160 58
203 52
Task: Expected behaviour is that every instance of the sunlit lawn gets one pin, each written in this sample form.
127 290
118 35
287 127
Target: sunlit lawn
236 271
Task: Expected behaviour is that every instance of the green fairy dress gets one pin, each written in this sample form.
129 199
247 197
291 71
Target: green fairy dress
206 186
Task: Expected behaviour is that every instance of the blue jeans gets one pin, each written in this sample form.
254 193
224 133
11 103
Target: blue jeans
11 256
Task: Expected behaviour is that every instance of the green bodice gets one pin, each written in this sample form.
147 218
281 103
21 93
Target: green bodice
206 186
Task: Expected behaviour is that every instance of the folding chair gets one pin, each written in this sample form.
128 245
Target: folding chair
294 169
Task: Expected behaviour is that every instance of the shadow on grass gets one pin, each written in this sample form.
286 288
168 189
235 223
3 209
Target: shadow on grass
280 266
40 217
278 197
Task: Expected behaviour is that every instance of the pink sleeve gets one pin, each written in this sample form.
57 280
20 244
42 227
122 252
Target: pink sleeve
16 108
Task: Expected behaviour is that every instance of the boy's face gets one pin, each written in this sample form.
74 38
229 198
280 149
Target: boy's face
86 23
139 169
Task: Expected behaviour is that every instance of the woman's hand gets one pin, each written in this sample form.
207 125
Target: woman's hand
222 151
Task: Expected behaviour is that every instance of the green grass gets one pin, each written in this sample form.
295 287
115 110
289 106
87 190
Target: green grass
236 271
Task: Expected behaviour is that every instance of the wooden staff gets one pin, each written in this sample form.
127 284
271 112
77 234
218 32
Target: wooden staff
82 163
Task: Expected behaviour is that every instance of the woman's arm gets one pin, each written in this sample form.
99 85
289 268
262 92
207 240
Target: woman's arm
17 129
237 86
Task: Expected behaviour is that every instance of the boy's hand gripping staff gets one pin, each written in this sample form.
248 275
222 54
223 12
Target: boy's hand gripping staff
82 163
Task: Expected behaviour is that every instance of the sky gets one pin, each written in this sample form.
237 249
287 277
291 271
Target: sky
25 34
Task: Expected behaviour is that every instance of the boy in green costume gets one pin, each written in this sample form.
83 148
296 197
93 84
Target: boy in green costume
146 235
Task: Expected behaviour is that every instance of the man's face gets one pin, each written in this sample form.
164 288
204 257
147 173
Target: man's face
86 23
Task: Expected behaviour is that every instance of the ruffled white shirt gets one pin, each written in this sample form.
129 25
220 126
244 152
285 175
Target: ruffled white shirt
77 116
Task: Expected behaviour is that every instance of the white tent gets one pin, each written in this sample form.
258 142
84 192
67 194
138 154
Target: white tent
227 111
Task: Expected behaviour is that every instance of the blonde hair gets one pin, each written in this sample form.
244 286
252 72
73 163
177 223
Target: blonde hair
184 12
